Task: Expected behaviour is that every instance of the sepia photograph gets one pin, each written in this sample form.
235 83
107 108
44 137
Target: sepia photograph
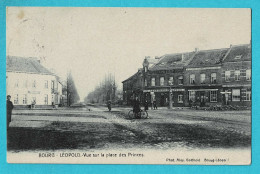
124 85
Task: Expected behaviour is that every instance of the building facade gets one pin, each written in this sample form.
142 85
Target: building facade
236 76
201 77
28 82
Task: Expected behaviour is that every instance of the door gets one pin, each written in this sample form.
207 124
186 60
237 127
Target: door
162 100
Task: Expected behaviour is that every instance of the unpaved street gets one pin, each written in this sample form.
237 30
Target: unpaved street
96 128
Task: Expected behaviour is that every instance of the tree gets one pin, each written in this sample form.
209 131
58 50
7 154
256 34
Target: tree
105 91
72 93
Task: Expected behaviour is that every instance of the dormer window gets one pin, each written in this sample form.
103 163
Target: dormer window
238 57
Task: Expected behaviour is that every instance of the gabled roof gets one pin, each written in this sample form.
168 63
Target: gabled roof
207 58
173 61
25 65
238 53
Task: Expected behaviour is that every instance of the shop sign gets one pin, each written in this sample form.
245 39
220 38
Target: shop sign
156 90
176 90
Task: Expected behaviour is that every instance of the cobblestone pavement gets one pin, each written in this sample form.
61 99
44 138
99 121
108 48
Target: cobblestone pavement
96 128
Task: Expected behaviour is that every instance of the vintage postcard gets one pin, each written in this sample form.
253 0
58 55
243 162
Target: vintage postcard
89 85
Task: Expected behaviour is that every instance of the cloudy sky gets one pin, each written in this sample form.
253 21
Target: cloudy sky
94 41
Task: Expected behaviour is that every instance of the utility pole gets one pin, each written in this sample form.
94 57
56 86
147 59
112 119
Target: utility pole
170 95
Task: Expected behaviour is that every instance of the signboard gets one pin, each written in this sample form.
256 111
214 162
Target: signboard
176 90
34 92
156 90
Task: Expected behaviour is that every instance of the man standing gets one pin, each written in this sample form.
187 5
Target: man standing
9 108
136 107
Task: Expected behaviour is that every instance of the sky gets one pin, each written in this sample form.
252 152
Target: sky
91 42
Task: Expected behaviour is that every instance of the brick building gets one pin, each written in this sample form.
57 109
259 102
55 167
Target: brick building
236 75
166 78
203 77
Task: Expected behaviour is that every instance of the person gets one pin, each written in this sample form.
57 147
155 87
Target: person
136 107
109 105
146 105
154 104
9 108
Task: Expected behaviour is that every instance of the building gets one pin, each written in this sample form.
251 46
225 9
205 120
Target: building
28 82
236 75
133 87
166 78
201 77
203 81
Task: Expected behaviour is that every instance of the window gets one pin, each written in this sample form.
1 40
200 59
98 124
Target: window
52 86
227 76
192 79
161 81
213 96
34 84
180 80
237 75
16 99
153 81
238 57
213 78
248 95
46 99
25 99
248 74
171 81
202 78
16 84
180 98
145 82
46 84
192 96
236 95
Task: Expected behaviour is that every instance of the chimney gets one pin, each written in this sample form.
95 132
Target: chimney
156 57
231 45
182 57
196 49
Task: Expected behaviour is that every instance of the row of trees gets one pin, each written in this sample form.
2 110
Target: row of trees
69 89
105 91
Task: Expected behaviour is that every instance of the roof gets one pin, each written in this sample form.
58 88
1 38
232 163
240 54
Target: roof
133 76
239 53
26 65
173 61
206 58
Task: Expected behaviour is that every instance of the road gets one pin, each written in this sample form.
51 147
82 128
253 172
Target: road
96 128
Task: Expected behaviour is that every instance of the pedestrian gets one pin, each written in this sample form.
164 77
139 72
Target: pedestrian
154 104
146 105
109 105
9 108
136 107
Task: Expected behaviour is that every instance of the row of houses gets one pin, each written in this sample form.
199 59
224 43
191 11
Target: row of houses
206 77
28 83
